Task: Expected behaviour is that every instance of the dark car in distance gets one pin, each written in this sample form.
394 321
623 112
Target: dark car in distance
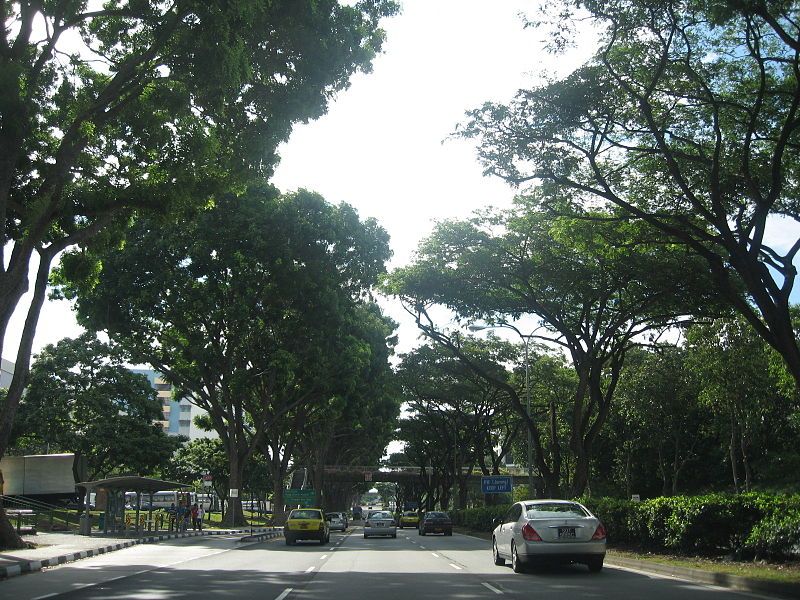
435 522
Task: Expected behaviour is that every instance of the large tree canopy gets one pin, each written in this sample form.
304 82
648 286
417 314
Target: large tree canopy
687 119
586 277
83 399
137 104
246 305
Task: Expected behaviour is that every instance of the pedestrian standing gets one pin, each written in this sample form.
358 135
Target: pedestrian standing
194 516
200 514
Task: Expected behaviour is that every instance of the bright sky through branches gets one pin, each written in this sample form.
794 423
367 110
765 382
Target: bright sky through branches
383 145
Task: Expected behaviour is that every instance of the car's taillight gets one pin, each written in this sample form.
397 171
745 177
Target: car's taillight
530 534
321 526
599 533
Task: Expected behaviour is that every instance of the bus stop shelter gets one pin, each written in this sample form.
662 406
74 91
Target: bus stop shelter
115 489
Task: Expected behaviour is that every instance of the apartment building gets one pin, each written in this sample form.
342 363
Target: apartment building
177 413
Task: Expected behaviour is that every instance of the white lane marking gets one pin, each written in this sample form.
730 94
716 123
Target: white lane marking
434 554
491 587
455 566
323 557
309 569
46 596
284 593
422 548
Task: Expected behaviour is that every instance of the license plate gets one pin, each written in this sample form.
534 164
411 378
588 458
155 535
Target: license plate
566 533
381 524
303 525
438 530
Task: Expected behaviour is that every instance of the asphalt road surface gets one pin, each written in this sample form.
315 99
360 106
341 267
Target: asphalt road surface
410 567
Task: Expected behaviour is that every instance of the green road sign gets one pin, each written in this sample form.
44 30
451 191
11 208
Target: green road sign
293 497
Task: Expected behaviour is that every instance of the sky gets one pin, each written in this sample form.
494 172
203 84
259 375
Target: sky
384 145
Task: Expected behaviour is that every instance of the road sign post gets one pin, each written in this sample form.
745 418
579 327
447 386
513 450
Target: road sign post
497 484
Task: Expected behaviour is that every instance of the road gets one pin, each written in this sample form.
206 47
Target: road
348 568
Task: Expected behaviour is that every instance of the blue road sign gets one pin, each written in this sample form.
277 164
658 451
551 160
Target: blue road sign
498 484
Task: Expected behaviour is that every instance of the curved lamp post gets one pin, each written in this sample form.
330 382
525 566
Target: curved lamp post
525 340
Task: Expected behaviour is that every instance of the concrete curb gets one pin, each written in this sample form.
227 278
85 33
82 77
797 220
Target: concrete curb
258 537
725 580
31 566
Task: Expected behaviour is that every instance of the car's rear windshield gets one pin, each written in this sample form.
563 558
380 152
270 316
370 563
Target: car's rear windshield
305 514
555 510
409 513
335 515
381 515
436 515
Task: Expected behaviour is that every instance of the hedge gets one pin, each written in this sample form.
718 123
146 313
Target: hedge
752 524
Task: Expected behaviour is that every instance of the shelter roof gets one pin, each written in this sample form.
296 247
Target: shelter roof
133 483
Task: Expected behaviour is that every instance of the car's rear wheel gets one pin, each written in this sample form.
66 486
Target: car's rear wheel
516 563
394 535
498 560
289 541
365 536
595 564
422 532
448 532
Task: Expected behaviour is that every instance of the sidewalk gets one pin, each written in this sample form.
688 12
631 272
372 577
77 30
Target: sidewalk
55 548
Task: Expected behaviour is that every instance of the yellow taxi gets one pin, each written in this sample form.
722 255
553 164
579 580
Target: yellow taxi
306 524
409 519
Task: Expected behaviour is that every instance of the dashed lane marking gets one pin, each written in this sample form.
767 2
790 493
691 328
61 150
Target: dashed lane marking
455 567
434 554
284 593
491 587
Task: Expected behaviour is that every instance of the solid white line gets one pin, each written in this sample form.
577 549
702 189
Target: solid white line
309 569
434 554
455 566
323 557
46 596
284 593
491 587
422 548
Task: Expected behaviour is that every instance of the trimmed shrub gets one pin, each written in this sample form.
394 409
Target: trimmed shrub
753 523
776 536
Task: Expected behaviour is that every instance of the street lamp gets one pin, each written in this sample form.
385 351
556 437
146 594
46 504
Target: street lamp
525 340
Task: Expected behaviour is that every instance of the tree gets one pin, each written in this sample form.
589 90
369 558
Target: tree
461 410
686 119
739 390
81 398
354 423
594 288
197 458
243 306
163 104
658 416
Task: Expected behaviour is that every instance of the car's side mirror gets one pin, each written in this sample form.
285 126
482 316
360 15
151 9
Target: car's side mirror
496 521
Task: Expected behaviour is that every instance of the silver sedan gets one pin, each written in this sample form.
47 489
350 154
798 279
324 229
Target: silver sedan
380 523
549 531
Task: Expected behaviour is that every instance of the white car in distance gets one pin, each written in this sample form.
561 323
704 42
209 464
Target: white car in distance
380 523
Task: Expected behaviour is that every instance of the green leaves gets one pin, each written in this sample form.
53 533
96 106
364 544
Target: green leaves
82 399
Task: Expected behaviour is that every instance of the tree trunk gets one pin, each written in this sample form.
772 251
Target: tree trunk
743 444
278 513
234 516
732 454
